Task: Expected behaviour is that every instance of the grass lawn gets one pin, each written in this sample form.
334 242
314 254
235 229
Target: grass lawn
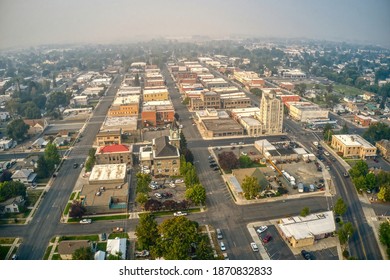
43 181
7 240
56 257
72 196
351 162
33 196
52 240
3 252
66 211
165 213
47 253
102 246
81 237
119 234
347 90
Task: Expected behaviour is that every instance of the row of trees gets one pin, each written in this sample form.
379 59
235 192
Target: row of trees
368 181
384 236
174 239
195 192
91 160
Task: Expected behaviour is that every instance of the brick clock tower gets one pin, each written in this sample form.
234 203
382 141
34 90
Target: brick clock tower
174 135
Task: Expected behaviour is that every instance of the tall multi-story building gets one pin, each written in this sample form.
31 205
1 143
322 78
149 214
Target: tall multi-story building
271 113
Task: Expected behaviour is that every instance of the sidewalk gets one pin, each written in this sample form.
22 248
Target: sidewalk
11 249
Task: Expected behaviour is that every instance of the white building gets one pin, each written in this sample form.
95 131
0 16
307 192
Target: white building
117 246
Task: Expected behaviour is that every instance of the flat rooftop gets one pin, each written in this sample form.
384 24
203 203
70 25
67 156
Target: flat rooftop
126 123
110 191
157 103
304 227
353 140
155 91
107 172
124 100
251 121
222 125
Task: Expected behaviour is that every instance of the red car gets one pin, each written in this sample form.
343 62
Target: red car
267 238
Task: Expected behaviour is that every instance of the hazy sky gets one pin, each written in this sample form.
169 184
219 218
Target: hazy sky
34 22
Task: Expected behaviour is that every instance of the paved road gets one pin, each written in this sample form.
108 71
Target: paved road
363 243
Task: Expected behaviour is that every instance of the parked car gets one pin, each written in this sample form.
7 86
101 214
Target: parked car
103 236
75 165
158 195
179 181
179 213
267 238
241 143
315 143
117 229
219 234
222 245
326 153
85 221
254 247
262 229
216 168
244 153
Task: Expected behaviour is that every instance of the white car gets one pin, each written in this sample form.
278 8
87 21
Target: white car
241 143
262 229
326 153
179 181
315 143
85 221
254 247
179 213
158 195
244 153
223 248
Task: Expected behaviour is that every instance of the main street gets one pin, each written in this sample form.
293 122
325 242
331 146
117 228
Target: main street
221 212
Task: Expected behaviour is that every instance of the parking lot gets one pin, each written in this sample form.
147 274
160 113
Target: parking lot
277 248
166 190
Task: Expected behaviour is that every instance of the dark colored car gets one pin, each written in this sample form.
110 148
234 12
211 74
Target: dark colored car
75 165
267 238
306 255
213 165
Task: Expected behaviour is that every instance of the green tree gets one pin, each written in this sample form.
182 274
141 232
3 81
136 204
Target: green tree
384 192
17 130
197 194
371 182
143 181
31 111
83 253
305 211
245 161
42 169
204 250
384 235
176 240
10 189
191 177
376 132
141 198
300 88
115 257
91 160
345 232
360 183
340 207
146 231
52 157
250 186
57 99
359 169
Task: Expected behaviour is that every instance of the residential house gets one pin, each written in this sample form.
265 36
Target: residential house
117 247
61 141
36 125
6 144
26 176
12 205
4 116
40 143
66 248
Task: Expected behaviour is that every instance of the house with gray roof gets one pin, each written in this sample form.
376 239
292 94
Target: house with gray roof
25 176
